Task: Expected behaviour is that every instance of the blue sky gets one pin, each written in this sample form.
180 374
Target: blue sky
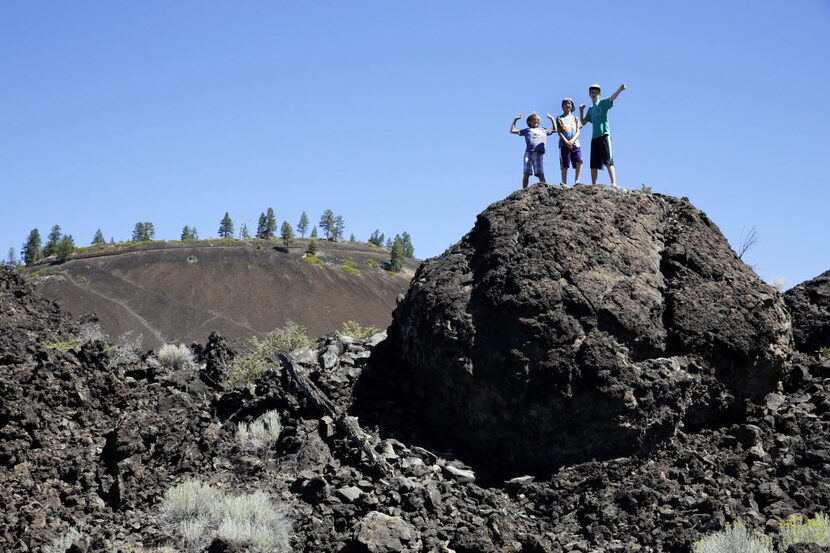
395 114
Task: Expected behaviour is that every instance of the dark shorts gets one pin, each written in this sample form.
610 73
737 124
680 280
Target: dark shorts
569 157
601 152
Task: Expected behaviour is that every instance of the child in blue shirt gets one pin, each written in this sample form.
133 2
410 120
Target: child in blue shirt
536 138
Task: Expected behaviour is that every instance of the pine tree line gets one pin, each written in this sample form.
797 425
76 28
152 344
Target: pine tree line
332 225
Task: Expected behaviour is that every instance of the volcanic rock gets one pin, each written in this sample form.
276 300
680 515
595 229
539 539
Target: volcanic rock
578 324
809 304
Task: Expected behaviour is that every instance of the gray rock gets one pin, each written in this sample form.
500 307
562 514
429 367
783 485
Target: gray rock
375 339
349 494
305 356
381 533
330 360
463 476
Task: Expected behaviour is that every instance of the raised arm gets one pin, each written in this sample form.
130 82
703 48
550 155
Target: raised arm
582 119
618 92
513 126
553 126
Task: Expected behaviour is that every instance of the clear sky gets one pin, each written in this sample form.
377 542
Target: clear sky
395 114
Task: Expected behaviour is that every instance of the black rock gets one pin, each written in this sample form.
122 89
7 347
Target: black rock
809 304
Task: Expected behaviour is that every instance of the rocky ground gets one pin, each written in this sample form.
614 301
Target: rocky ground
90 443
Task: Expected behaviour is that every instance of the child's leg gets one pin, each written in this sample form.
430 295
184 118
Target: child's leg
564 175
594 175
578 170
525 179
541 178
613 174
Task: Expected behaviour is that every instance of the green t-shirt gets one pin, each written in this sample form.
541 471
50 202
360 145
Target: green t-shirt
598 117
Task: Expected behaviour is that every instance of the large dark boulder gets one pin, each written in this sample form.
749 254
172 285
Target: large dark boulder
582 323
809 304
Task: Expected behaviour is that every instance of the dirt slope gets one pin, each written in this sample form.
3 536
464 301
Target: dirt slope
181 292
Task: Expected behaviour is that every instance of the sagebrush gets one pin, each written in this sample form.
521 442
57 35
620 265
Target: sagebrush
261 435
734 538
799 529
194 513
175 357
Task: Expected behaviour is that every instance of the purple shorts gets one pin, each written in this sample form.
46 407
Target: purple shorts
567 155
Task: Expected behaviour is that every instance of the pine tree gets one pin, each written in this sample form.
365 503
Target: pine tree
312 245
314 232
11 258
144 231
327 223
287 233
139 232
31 249
271 220
338 228
262 226
189 233
408 248
226 227
98 239
52 241
352 238
302 226
389 243
396 255
243 231
377 238
65 248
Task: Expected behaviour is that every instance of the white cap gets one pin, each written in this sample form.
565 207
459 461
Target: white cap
595 85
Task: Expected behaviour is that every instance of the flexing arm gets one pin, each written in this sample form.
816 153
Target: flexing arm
554 128
618 92
513 126
582 119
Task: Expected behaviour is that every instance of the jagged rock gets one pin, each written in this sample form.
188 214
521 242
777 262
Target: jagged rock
462 476
583 323
349 494
381 533
809 304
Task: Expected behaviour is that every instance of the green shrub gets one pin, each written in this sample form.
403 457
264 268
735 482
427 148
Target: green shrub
308 258
248 367
350 270
354 330
734 538
372 263
63 345
175 357
193 514
645 189
799 529
825 352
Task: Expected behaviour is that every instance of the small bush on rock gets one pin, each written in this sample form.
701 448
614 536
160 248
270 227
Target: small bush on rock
175 357
91 332
799 529
255 520
354 330
262 434
127 351
194 514
735 538
248 367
